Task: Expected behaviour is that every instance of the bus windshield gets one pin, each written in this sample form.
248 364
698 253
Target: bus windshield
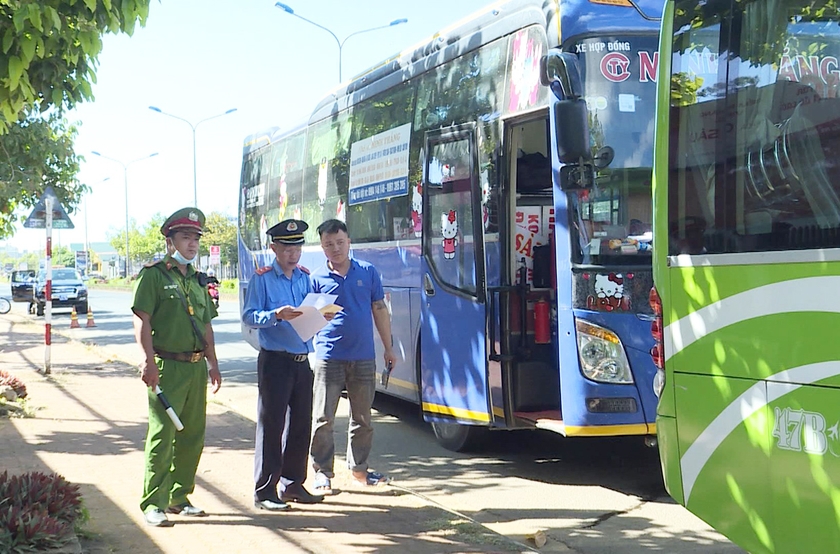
754 164
612 221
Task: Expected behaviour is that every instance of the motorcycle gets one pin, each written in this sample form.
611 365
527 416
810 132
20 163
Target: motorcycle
213 289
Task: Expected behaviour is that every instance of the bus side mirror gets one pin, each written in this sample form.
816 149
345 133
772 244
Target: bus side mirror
560 72
572 130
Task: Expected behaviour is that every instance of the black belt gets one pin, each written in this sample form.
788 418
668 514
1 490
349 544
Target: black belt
191 357
299 358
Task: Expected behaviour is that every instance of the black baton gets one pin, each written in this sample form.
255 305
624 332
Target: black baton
169 410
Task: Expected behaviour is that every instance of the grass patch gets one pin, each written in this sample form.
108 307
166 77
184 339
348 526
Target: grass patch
462 530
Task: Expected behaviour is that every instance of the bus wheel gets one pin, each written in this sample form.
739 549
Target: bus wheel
457 437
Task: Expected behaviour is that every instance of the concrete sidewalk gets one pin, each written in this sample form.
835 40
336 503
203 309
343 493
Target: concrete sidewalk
89 425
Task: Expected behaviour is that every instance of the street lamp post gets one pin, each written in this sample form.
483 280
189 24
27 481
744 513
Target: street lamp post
125 183
340 43
193 127
87 244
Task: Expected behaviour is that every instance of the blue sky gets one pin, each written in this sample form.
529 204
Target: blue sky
199 58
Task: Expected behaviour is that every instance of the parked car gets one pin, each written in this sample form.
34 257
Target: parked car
23 283
68 290
97 278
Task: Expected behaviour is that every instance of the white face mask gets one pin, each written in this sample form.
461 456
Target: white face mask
178 257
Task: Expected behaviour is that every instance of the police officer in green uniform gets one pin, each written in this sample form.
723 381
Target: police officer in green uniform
172 313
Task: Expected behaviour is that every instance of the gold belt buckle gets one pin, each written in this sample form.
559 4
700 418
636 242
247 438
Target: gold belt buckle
196 357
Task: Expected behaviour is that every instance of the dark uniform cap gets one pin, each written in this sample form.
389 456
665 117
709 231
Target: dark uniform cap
189 219
288 231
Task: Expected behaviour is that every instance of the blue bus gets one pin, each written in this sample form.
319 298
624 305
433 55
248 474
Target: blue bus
516 259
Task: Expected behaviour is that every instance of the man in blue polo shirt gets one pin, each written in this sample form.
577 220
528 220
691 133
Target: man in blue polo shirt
345 356
284 379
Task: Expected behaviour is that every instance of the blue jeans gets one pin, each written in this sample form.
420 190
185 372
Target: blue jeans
331 377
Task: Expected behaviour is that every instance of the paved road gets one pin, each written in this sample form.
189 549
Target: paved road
591 496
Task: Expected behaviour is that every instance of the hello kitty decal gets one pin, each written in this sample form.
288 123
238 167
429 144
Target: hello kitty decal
417 210
449 230
609 293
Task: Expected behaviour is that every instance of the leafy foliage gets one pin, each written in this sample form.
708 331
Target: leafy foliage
50 49
48 53
9 380
30 259
35 153
62 256
60 498
31 530
37 511
221 231
143 244
684 89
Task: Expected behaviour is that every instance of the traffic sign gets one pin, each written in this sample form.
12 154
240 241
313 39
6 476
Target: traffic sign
38 218
82 261
215 254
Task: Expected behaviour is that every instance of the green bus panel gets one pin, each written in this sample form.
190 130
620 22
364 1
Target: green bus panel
759 461
724 459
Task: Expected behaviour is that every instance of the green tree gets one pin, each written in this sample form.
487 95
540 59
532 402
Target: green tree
63 256
149 241
48 56
31 260
36 153
117 239
220 230
50 50
143 243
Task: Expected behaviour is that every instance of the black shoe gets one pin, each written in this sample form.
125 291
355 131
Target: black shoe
296 493
276 505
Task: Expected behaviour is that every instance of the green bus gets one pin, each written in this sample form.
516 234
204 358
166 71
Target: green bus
747 268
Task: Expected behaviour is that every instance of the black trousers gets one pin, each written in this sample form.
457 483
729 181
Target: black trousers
284 422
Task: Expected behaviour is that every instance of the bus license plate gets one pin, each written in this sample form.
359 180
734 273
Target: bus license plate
62 297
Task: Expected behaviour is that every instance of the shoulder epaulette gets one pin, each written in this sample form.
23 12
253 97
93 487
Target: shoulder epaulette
263 270
152 264
304 269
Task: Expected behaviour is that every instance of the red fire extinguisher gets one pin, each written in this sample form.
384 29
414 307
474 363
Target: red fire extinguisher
542 329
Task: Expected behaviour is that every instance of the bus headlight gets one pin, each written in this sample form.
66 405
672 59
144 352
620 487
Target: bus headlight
601 354
658 382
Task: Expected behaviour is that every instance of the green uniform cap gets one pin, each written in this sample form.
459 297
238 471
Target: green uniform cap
191 219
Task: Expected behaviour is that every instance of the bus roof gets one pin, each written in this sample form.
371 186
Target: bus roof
263 138
493 22
560 18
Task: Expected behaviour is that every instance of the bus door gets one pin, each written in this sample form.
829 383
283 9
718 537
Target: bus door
453 325
533 385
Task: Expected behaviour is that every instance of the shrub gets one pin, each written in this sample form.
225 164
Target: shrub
31 530
9 380
230 284
37 511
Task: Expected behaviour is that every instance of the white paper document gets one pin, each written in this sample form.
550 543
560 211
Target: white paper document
312 319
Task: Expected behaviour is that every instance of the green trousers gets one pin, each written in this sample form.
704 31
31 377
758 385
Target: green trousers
172 456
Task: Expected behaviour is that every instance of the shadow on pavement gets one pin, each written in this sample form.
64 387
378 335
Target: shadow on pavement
624 465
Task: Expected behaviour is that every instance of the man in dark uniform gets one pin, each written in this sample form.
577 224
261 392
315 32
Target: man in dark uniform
172 313
284 377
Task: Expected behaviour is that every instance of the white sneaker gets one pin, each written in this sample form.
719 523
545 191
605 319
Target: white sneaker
156 518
